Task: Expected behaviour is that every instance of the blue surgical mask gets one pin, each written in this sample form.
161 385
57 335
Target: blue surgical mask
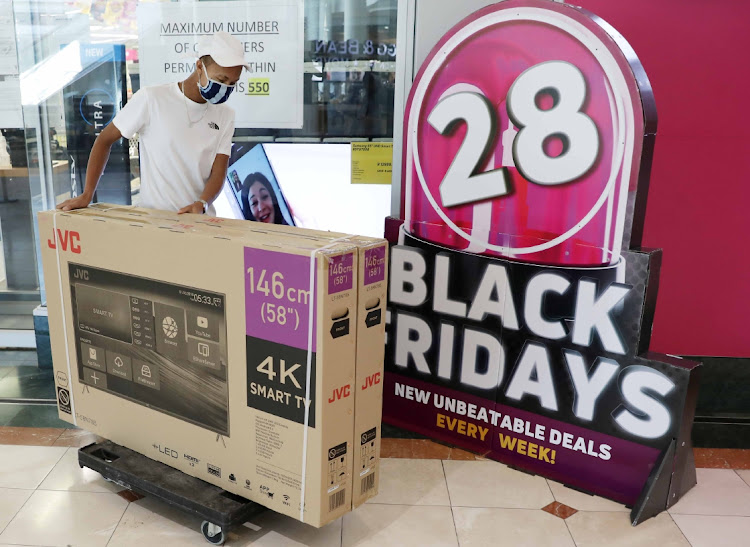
214 92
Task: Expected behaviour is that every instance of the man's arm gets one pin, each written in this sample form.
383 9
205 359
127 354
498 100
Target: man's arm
97 162
213 185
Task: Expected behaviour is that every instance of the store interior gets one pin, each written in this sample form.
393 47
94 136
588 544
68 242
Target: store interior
67 67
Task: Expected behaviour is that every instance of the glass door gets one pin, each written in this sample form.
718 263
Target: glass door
63 76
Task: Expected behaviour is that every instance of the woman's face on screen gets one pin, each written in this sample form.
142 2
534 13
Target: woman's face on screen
261 203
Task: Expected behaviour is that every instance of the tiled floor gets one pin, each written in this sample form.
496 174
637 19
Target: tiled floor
47 500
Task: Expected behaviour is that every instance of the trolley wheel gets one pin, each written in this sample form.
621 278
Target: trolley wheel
213 533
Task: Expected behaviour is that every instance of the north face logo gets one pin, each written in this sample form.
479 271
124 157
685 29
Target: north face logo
212 125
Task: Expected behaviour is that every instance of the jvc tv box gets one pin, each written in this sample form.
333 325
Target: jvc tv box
227 354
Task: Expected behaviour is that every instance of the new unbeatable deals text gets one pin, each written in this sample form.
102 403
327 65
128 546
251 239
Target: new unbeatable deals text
542 339
505 424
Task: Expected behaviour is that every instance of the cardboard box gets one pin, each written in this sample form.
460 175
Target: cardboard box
370 328
372 296
194 346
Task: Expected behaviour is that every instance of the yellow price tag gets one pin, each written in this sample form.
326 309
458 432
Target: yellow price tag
259 87
372 162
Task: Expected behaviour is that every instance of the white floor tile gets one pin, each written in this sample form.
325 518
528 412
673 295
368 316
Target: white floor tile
595 529
280 531
27 466
744 475
373 525
719 492
713 531
61 519
583 502
412 482
492 484
67 475
150 523
477 527
11 502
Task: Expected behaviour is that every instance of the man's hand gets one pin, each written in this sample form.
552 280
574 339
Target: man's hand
195 207
80 202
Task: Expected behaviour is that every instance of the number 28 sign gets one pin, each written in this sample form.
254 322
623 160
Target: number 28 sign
524 137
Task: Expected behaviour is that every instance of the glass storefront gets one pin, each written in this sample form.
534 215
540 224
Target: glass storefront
67 67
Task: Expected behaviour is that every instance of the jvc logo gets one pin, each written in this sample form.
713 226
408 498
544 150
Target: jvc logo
340 393
371 381
81 274
66 239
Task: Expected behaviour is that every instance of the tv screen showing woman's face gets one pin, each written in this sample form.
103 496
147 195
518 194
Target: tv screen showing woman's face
261 203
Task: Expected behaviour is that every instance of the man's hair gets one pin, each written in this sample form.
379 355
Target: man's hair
207 60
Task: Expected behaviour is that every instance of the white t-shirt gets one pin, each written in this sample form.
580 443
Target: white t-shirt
176 156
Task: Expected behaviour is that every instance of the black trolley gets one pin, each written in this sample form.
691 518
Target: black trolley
219 509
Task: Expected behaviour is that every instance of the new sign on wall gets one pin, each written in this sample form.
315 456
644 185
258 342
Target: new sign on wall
520 302
269 94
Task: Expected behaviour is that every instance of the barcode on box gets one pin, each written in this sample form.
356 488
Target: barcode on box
368 483
336 500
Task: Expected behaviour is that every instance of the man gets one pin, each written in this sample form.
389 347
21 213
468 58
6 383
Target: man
185 133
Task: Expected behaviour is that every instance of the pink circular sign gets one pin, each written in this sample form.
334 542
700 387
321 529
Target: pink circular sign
523 137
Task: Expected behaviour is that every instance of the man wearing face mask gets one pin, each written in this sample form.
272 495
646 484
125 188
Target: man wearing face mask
185 133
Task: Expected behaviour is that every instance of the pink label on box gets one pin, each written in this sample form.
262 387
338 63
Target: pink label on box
374 265
341 273
278 294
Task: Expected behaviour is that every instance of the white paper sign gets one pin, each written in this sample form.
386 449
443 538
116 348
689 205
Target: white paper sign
269 95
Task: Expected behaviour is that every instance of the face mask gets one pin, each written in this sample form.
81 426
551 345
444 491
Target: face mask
214 92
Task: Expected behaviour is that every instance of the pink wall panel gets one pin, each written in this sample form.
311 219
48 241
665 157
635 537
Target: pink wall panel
697 56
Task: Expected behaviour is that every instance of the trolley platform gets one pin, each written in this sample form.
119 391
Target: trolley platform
219 509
